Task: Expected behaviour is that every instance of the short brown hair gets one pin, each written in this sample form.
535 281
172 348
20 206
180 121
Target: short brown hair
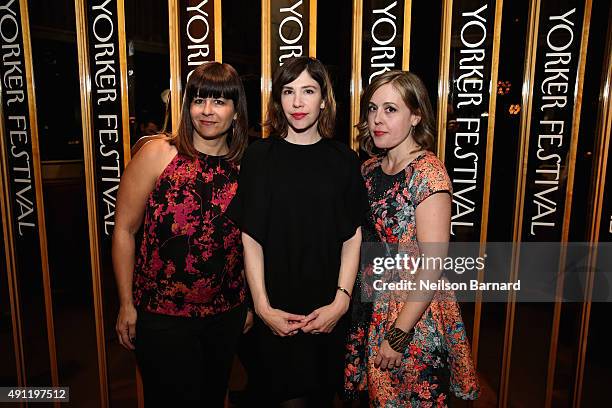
276 121
415 96
214 80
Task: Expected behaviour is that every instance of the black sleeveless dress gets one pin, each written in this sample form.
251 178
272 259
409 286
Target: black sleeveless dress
300 202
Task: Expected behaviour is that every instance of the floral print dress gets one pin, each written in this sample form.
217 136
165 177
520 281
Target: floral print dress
437 361
190 260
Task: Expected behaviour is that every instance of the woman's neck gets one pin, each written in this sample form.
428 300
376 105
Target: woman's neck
211 147
399 157
308 136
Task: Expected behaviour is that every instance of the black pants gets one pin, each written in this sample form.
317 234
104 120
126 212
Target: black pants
187 361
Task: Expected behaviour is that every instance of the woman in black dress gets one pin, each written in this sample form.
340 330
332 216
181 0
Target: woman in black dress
300 203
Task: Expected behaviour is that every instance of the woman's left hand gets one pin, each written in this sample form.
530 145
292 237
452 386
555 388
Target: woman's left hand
387 358
326 317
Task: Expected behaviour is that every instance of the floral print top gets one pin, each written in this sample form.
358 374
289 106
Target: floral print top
190 260
438 360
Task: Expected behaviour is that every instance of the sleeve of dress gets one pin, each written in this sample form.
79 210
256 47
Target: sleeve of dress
430 178
249 207
354 203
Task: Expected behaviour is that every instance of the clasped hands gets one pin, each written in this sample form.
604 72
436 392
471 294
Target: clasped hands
321 320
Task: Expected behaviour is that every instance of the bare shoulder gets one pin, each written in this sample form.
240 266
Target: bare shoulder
155 151
156 148
146 139
152 158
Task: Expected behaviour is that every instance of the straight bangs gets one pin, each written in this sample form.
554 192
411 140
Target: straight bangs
214 80
217 84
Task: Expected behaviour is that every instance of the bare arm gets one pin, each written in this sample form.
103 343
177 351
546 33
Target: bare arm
136 184
433 226
349 264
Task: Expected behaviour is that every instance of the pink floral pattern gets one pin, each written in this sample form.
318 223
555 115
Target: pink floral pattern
438 360
190 260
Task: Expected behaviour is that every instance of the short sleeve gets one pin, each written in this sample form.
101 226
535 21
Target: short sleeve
355 201
430 177
249 207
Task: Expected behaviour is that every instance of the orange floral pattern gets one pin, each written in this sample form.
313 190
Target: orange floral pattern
438 360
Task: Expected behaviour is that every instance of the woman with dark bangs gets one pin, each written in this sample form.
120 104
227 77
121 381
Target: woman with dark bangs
182 293
300 203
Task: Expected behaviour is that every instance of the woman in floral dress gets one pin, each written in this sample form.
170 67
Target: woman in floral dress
409 350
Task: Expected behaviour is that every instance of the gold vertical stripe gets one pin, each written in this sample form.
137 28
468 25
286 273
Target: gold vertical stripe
175 61
312 29
603 152
125 112
527 94
406 35
604 128
266 64
10 255
552 356
218 32
89 158
42 230
356 70
9 251
11 266
584 42
125 109
488 166
443 86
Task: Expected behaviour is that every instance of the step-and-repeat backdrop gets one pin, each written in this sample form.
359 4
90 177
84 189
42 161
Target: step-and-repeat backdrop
512 165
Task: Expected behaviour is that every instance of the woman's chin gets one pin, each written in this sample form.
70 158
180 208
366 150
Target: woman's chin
211 136
381 145
301 128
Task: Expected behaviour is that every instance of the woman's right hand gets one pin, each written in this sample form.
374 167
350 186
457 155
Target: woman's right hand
137 183
126 326
280 322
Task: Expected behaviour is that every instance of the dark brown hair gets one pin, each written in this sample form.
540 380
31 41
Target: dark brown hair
276 121
214 80
415 96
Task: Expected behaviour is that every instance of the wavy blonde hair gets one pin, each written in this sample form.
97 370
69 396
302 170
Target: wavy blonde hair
414 94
